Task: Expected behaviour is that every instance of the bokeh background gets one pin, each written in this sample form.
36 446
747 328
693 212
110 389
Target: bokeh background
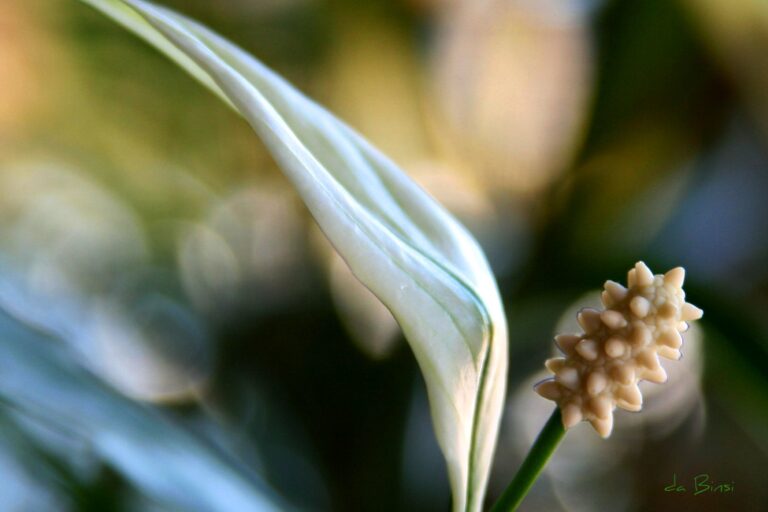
176 334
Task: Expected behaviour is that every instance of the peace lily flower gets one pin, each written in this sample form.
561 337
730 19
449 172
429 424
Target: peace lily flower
428 270
620 346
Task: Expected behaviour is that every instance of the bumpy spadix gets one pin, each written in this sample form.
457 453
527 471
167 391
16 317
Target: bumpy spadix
619 347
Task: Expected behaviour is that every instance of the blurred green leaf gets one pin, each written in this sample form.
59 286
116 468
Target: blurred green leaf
40 378
411 253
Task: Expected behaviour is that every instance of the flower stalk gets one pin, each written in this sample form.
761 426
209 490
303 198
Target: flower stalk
543 448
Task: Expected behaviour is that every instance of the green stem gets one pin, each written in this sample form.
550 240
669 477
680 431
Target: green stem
542 449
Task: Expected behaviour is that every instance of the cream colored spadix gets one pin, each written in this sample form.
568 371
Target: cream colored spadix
397 240
620 346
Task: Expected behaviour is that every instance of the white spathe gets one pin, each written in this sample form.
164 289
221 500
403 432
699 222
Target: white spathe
413 255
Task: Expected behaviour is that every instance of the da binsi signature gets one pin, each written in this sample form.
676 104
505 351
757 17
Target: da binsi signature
699 485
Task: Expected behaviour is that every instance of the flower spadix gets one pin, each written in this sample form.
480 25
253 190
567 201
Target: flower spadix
619 347
413 255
